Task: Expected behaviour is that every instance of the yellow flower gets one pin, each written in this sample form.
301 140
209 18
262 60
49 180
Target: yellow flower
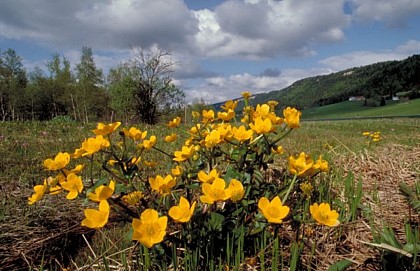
194 130
376 136
97 218
229 105
300 165
214 192
292 117
274 119
321 164
261 126
208 178
366 133
226 116
183 212
171 138
307 189
106 129
60 161
273 211
78 153
102 192
278 150
324 215
246 95
133 198
236 190
150 229
208 116
213 139
39 191
75 170
94 144
162 185
177 171
195 114
184 154
272 104
175 122
74 185
262 111
54 188
225 131
241 134
150 143
135 133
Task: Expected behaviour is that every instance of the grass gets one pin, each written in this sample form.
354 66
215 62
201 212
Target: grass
356 109
24 145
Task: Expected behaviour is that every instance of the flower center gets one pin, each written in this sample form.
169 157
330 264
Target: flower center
151 229
324 216
273 211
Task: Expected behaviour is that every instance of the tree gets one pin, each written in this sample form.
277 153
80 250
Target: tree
59 85
155 93
90 100
12 85
122 85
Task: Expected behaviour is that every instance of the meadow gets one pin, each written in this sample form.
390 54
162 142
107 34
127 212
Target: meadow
374 185
355 109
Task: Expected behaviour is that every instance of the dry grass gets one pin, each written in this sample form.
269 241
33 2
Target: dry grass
35 236
380 170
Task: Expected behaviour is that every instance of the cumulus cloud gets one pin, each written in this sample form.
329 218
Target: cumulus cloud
393 12
100 24
219 88
266 28
361 58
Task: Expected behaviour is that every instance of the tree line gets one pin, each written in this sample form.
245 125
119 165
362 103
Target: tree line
139 89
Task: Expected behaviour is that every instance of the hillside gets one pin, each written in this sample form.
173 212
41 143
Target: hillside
373 81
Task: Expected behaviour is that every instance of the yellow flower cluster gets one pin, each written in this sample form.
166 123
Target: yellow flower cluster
304 165
373 136
188 187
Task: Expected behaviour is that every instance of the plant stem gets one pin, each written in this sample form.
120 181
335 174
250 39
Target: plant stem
290 188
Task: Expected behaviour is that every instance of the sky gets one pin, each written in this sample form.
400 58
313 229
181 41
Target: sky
220 48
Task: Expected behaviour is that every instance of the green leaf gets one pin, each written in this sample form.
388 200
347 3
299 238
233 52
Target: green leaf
232 173
340 265
215 222
412 248
120 188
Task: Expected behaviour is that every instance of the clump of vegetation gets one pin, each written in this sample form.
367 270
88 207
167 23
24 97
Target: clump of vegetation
212 207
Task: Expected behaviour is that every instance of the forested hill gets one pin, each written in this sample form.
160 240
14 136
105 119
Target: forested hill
383 79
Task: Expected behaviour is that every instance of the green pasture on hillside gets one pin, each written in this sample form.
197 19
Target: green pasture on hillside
356 109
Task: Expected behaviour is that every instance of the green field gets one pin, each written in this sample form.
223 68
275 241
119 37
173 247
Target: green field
362 185
356 109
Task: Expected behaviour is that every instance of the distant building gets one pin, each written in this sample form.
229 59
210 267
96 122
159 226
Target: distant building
356 98
395 98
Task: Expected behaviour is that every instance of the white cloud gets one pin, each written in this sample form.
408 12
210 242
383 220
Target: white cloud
393 12
361 58
409 48
217 89
267 28
104 25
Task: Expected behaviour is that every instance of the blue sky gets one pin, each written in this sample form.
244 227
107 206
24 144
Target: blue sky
221 47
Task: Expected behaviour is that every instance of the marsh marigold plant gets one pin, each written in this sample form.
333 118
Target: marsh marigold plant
193 188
